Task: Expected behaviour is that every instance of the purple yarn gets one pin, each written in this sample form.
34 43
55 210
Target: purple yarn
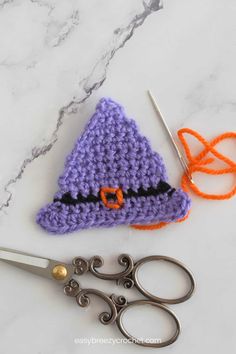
111 153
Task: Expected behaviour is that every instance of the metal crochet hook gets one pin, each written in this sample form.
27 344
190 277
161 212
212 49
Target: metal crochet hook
179 154
64 273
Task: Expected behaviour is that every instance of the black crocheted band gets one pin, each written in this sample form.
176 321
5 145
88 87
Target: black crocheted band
161 188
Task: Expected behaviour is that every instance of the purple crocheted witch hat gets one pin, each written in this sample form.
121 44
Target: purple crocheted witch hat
112 177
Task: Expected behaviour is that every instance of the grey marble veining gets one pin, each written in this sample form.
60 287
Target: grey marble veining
56 34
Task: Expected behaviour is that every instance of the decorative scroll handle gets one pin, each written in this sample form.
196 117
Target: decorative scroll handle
124 260
82 266
83 300
129 277
119 305
117 308
105 317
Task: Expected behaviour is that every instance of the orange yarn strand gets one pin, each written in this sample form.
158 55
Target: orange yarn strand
199 163
156 226
150 227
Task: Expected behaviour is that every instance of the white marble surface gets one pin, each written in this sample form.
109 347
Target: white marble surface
57 58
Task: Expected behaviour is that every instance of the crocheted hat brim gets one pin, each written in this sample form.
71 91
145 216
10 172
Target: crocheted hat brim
61 218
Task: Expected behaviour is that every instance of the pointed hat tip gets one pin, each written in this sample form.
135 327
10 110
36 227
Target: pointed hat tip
107 103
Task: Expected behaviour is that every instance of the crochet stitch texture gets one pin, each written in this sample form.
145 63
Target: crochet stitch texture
112 177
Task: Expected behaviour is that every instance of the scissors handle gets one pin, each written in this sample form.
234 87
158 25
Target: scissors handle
118 306
166 259
129 276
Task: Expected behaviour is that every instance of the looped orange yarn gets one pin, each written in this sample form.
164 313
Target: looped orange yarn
199 163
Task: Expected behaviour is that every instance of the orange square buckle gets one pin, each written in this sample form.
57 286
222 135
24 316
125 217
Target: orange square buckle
117 192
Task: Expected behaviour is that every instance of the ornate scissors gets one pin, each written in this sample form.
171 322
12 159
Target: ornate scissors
63 274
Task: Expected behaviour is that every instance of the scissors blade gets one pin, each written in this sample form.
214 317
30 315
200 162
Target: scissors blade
44 267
